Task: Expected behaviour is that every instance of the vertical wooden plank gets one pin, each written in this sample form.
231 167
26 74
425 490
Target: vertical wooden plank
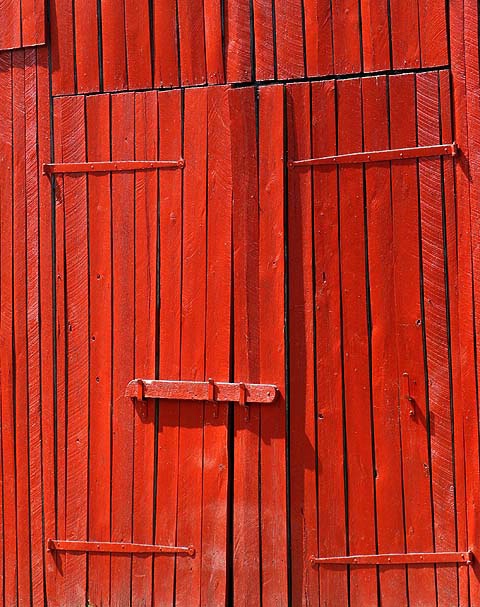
170 216
375 35
192 42
318 37
114 45
238 52
212 18
409 321
385 377
405 34
246 336
346 36
137 37
332 536
264 40
217 348
146 196
165 43
433 33
289 28
58 560
86 45
6 317
77 345
47 327
33 326
437 334
303 473
453 256
355 308
20 328
191 423
100 283
62 47
272 346
123 295
33 22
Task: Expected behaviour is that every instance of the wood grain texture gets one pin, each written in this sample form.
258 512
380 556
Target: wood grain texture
272 346
123 353
303 419
355 314
169 340
384 363
246 340
100 372
193 306
409 330
331 461
146 212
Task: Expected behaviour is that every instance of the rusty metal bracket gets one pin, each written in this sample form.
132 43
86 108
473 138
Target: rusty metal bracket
116 547
211 391
407 393
431 151
410 558
113 166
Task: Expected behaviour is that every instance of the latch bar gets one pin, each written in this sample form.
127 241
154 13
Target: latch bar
201 391
431 151
410 558
116 547
111 166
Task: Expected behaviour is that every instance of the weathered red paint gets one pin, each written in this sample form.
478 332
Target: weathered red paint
291 269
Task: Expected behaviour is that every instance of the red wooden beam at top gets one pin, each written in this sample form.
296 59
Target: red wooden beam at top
449 149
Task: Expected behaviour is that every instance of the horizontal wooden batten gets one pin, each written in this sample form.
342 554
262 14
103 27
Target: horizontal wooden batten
117 547
201 391
111 166
431 151
461 558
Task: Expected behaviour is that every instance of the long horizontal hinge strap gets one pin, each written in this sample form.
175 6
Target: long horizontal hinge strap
201 391
450 149
111 166
411 558
117 547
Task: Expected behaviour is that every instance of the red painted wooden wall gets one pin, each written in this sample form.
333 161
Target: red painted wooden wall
353 287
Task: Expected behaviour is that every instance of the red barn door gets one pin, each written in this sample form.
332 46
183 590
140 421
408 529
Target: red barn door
169 266
376 434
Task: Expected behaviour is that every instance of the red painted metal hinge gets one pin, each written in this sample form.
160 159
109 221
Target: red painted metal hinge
215 392
410 558
431 151
113 166
116 548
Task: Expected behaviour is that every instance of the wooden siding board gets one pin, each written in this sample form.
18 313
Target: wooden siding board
246 344
123 363
303 418
169 339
